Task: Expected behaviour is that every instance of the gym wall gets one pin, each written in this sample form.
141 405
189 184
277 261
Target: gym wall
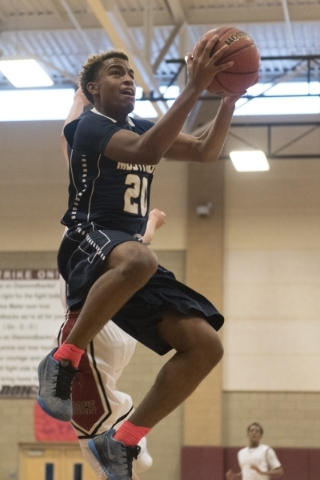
256 256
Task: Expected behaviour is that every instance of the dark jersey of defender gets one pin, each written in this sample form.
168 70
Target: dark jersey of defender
111 194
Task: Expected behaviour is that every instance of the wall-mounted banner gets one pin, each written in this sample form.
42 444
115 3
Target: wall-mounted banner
30 314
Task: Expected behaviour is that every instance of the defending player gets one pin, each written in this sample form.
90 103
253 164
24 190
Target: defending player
110 274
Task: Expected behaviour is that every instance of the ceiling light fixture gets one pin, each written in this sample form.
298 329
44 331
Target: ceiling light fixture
249 161
24 73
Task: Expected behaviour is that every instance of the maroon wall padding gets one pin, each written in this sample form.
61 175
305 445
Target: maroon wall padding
295 463
202 463
211 463
314 464
231 459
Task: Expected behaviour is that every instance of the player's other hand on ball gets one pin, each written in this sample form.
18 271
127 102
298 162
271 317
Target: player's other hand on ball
158 216
231 98
202 64
80 96
234 97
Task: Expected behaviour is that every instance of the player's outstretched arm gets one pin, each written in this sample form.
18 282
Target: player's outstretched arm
79 102
156 219
148 149
208 146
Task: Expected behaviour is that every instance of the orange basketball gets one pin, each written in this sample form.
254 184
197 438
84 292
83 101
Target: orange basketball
246 57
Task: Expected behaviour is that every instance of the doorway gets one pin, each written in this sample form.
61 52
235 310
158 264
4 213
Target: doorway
53 462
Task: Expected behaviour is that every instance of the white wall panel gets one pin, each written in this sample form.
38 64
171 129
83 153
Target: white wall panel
273 337
279 301
272 279
272 373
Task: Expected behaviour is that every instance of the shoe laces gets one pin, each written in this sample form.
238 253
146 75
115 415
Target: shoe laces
65 376
132 452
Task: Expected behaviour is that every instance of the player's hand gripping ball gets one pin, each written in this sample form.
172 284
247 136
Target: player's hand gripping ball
246 57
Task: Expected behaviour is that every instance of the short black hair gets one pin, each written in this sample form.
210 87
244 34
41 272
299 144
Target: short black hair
92 67
255 424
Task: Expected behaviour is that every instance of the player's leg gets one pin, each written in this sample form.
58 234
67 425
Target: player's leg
110 351
198 350
127 267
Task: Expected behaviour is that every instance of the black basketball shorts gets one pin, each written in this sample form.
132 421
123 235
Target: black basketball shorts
82 253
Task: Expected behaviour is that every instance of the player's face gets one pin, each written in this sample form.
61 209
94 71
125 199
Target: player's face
117 88
254 434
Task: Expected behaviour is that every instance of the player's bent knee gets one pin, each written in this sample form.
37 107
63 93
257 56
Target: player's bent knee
210 350
139 267
191 334
213 352
141 262
219 351
133 260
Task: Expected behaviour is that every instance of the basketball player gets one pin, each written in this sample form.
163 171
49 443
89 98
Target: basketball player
257 461
97 404
110 273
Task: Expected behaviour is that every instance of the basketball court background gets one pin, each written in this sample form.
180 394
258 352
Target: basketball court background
256 256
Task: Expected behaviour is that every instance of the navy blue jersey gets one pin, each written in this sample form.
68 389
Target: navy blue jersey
112 194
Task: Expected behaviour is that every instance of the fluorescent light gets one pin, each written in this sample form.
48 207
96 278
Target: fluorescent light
299 102
249 161
25 73
294 88
44 104
170 92
145 109
278 106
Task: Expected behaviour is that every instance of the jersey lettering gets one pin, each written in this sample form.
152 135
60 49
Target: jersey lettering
137 191
137 168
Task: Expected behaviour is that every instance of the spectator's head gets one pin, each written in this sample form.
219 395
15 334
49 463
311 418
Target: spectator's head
254 434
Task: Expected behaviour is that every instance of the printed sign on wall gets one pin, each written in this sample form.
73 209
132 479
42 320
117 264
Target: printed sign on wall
30 314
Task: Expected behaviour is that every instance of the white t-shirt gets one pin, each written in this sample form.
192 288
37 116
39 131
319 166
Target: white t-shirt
262 456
